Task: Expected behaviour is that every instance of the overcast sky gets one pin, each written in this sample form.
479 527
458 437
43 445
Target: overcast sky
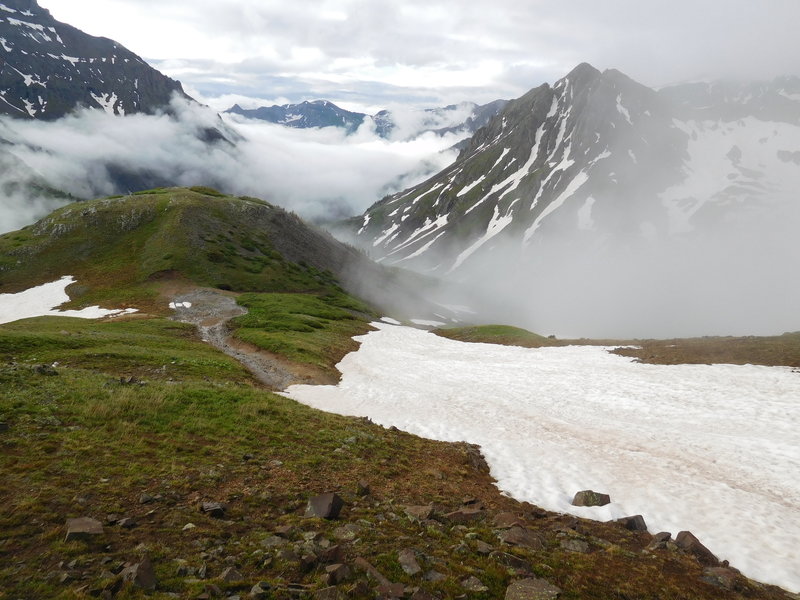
376 53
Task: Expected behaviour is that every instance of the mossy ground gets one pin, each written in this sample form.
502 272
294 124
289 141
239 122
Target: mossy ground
781 350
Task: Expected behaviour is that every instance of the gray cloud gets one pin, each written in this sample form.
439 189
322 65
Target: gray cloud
316 173
343 47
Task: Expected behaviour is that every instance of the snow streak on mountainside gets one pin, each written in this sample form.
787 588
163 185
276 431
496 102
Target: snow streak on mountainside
601 154
49 68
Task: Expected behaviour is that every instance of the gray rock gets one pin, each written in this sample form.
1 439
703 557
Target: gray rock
392 590
336 574
328 593
520 536
419 513
127 523
590 498
532 589
578 546
408 562
483 548
213 509
720 577
231 575
473 584
515 562
634 523
506 520
274 541
434 576
689 543
83 528
141 575
465 515
260 591
362 488
324 506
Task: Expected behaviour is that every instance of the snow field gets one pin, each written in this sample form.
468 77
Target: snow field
42 301
710 449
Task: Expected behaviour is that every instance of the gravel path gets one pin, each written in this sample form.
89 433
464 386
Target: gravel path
210 311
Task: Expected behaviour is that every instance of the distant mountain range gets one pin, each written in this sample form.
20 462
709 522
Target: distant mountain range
597 154
48 68
466 117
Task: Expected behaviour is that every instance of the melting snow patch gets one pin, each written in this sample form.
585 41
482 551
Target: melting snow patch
42 300
390 321
707 448
427 323
177 305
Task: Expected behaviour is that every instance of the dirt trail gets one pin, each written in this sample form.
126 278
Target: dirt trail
210 311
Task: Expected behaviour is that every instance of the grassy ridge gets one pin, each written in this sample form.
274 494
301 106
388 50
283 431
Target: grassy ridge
782 350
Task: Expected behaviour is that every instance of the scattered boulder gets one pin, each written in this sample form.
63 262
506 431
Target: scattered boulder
483 548
590 498
336 574
83 528
659 541
328 593
475 458
634 523
127 523
506 520
579 546
213 509
689 543
465 515
720 577
260 591
408 562
141 575
231 575
419 513
520 536
532 589
473 584
362 488
324 506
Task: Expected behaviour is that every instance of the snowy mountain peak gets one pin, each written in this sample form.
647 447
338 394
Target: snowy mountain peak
49 68
600 155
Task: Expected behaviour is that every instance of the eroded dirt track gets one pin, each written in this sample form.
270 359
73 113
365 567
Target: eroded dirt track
210 311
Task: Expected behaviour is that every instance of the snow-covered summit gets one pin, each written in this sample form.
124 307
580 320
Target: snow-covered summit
49 68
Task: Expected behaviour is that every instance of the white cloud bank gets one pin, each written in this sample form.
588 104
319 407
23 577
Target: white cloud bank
318 173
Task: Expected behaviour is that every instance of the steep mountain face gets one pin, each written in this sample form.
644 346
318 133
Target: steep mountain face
49 68
319 113
601 155
466 117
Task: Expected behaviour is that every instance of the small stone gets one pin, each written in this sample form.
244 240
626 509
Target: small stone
285 531
146 499
362 564
324 506
434 576
127 523
46 370
189 526
328 593
392 590
142 575
473 584
520 536
634 523
578 546
483 548
347 533
515 562
260 591
419 513
112 519
231 575
363 488
465 515
83 528
274 541
336 574
408 562
590 498
213 509
720 577
532 589
422 595
507 520
689 543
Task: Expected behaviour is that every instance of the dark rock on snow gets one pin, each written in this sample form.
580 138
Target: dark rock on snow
634 523
590 498
689 543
